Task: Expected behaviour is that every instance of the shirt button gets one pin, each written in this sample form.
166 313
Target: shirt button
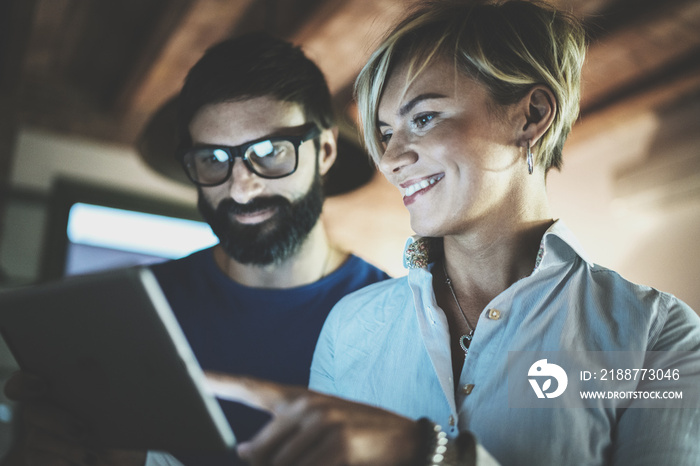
451 421
467 389
494 314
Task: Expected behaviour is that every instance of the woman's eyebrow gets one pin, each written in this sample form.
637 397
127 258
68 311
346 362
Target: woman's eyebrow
413 102
417 99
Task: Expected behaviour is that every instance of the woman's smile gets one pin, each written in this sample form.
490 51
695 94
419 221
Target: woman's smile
417 187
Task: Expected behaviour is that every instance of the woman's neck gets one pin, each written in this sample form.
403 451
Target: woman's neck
483 264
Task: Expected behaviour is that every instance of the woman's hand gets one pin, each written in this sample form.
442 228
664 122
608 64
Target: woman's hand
48 436
309 428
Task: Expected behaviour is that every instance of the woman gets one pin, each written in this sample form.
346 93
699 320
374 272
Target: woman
465 108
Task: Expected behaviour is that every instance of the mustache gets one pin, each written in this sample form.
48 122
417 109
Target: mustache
231 207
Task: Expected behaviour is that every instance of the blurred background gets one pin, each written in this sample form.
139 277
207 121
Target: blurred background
86 92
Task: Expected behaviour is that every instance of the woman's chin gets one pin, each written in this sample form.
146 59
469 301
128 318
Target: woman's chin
425 228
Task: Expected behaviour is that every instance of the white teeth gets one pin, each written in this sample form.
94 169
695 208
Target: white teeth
415 187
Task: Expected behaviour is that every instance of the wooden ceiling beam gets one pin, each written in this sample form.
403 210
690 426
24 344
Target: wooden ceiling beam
205 23
651 99
54 34
340 36
648 45
150 53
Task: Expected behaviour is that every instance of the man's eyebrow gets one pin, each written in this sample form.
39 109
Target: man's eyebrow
413 102
282 131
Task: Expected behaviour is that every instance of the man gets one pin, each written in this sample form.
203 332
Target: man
257 136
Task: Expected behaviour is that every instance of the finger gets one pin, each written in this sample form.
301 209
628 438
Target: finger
295 429
326 452
22 386
303 444
269 439
260 394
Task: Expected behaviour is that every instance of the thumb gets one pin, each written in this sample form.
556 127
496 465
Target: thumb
257 393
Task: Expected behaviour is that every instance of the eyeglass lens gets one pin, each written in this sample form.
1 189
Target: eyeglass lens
270 158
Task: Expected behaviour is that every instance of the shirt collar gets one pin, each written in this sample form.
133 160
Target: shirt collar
558 245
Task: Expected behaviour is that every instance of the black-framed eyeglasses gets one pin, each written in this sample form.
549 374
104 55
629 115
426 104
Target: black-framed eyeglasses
269 157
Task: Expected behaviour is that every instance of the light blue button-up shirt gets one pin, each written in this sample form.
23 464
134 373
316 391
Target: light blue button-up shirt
389 345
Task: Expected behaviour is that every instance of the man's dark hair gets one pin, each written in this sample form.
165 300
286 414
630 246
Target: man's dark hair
254 65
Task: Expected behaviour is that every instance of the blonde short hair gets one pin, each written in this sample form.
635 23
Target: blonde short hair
507 46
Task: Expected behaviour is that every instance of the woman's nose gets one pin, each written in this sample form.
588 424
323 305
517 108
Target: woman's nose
399 153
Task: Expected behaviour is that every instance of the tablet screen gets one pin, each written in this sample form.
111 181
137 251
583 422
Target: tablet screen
113 354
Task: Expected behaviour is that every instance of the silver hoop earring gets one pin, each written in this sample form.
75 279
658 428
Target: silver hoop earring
529 159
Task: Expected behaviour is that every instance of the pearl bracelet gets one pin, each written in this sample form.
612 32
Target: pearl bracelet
435 446
438 455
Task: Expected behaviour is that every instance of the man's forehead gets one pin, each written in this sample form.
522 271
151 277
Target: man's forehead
239 121
264 108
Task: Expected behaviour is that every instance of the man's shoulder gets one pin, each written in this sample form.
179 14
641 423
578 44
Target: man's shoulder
354 274
355 265
193 263
190 276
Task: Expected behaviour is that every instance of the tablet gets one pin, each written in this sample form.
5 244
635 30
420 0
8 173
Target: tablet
114 355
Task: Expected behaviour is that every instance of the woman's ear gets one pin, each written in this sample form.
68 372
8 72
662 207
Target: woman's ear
539 107
329 149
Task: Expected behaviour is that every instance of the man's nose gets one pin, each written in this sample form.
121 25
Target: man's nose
399 153
244 184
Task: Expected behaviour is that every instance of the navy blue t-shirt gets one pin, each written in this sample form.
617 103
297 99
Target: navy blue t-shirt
265 333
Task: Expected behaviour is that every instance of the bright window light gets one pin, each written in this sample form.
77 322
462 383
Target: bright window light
139 232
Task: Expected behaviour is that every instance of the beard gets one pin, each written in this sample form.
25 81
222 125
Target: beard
273 240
